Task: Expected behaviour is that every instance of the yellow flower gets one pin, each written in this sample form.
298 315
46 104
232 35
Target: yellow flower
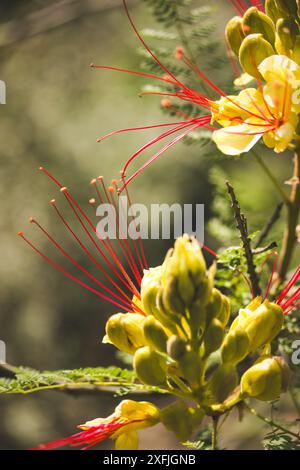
121 426
269 112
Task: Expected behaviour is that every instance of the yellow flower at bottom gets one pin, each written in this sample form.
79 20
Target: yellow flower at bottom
270 111
121 426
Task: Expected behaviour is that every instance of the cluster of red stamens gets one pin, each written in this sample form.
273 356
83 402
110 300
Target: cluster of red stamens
124 278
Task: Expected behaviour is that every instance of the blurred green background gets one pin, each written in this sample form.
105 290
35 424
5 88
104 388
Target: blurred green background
56 108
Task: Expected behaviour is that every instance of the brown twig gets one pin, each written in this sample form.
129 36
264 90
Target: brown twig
269 225
243 229
264 249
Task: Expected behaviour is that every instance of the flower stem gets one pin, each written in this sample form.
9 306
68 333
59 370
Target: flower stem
214 441
293 207
270 422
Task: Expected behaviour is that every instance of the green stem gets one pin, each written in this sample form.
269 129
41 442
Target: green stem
214 438
270 422
272 178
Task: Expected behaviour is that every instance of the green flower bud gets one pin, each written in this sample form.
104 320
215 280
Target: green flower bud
214 305
272 10
213 337
235 346
181 419
253 51
263 325
287 31
150 285
287 7
155 334
224 314
185 276
235 34
256 21
125 331
150 296
150 366
191 367
176 347
222 383
266 379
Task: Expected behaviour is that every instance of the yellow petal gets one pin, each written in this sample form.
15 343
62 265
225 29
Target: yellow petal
243 79
235 140
281 68
127 441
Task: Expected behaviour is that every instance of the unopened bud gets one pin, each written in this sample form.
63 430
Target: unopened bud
256 21
253 51
272 10
181 419
150 366
214 305
213 337
155 334
185 275
266 379
235 346
235 34
222 382
263 325
190 366
176 347
224 313
287 31
125 331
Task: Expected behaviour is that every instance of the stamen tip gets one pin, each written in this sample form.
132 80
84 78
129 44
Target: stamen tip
64 189
93 181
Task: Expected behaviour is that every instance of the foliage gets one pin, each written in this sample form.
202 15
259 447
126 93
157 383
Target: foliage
28 380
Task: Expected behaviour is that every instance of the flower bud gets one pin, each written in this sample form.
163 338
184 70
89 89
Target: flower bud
272 10
155 334
256 21
253 51
266 379
176 347
125 331
287 31
214 305
235 34
150 366
263 325
213 337
222 383
190 366
150 293
185 276
224 314
149 287
235 346
181 419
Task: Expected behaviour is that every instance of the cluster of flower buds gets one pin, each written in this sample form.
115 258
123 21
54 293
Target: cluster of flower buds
184 324
258 35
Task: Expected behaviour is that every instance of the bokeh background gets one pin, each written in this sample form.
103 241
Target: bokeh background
56 108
